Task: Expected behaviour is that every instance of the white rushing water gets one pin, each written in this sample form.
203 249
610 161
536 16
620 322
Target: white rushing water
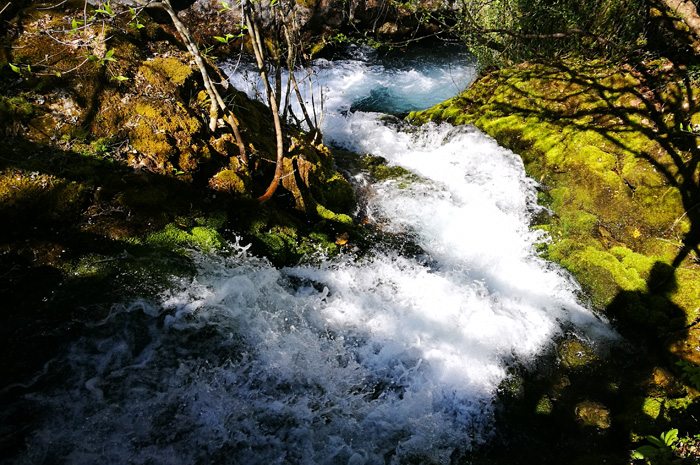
386 360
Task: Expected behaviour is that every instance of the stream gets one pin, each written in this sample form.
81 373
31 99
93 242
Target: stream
390 359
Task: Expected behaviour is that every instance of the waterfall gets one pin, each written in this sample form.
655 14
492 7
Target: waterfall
392 358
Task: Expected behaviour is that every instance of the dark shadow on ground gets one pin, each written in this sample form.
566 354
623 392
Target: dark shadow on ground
579 410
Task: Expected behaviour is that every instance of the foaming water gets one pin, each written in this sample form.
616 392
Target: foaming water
389 359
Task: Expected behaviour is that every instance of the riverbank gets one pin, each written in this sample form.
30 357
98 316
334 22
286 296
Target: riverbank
110 177
615 150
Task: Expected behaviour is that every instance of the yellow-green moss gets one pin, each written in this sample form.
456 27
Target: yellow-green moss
165 73
200 237
544 406
14 110
591 413
584 131
574 353
326 214
230 182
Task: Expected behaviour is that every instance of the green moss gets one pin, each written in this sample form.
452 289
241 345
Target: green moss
574 353
200 237
231 182
326 214
583 130
166 73
337 194
579 223
544 406
594 414
206 239
14 110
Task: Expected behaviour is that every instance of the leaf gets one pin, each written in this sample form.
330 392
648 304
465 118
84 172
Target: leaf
92 58
119 78
225 6
108 55
14 68
656 441
221 39
670 436
646 452
106 9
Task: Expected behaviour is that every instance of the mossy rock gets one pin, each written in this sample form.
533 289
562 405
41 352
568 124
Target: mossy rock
593 414
575 354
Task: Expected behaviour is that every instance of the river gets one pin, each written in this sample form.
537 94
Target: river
394 358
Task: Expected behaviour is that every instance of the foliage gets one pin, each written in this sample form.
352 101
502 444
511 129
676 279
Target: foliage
690 372
506 31
659 451
88 35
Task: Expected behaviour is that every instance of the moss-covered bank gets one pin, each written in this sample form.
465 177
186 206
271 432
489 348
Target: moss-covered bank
109 172
616 152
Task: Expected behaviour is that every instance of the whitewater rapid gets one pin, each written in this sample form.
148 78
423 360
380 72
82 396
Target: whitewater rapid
389 359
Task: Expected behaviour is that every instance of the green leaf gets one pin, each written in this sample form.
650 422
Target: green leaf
93 58
670 436
221 39
108 55
106 9
14 68
646 452
225 6
119 78
656 441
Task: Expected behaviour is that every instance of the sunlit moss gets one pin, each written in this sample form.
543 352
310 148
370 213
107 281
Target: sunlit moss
326 214
166 73
574 353
200 237
592 413
544 406
583 131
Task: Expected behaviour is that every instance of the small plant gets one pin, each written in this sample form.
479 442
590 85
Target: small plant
205 52
690 372
19 70
107 57
105 9
226 39
135 22
659 451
